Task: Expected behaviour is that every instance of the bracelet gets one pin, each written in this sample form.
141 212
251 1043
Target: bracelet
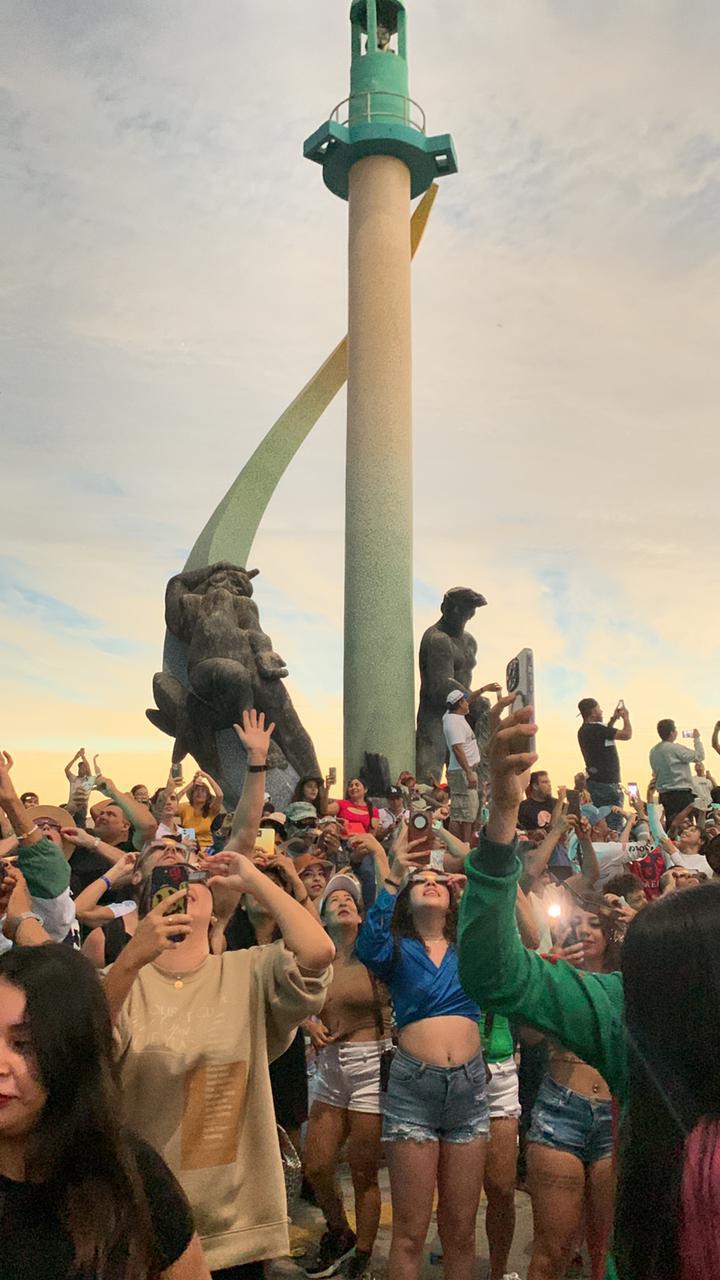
394 883
106 881
24 915
257 768
97 842
301 901
31 832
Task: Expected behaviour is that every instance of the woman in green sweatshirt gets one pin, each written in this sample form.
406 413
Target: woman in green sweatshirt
653 1032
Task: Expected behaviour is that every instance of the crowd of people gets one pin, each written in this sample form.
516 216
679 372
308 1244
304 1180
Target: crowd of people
479 982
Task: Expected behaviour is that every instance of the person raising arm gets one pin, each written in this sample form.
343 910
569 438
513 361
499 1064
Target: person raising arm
655 1047
204 1028
255 737
21 925
41 858
138 815
624 734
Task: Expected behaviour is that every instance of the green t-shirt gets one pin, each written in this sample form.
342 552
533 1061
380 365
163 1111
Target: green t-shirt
496 1037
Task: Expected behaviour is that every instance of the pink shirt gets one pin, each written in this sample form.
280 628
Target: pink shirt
355 817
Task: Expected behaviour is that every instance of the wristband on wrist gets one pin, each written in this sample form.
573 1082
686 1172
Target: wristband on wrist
257 768
26 834
106 881
24 915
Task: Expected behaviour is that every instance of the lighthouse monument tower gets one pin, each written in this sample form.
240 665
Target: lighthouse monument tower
375 153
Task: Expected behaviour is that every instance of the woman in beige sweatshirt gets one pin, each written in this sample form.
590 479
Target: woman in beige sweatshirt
196 1033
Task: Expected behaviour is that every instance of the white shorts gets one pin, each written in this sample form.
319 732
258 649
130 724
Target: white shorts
502 1090
347 1076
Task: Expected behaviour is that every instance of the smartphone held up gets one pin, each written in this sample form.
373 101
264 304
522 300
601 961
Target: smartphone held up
166 881
520 681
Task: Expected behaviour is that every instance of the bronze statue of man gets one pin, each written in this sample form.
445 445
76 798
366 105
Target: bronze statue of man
447 660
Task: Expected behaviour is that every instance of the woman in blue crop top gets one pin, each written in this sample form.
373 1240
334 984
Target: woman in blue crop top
435 1111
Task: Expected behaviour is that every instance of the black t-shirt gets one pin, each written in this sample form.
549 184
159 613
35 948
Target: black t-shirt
536 814
86 866
34 1245
597 743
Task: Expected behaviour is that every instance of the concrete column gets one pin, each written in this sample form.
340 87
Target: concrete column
379 686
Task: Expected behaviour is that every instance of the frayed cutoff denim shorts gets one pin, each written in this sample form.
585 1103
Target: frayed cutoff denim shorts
424 1103
569 1121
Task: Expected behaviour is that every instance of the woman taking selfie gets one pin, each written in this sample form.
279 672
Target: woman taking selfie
655 1042
80 1197
435 1112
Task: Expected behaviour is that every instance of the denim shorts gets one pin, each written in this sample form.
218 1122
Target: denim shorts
424 1103
569 1121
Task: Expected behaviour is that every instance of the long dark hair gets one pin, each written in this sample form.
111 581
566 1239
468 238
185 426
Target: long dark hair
321 803
594 904
368 803
665 1227
403 925
78 1148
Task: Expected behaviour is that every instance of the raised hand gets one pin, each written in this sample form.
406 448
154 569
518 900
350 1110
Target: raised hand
408 855
235 870
14 899
510 765
7 790
365 843
122 870
156 931
622 912
254 735
574 954
78 836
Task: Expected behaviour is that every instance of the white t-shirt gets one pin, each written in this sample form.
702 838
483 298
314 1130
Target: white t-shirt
459 734
388 819
692 862
702 789
611 856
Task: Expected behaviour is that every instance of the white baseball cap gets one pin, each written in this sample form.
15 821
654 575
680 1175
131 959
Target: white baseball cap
455 696
343 880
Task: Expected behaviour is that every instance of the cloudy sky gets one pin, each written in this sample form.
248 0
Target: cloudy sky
174 272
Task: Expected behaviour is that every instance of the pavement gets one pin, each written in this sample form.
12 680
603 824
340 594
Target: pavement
308 1226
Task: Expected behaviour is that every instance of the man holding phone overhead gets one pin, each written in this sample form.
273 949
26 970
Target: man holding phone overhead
597 743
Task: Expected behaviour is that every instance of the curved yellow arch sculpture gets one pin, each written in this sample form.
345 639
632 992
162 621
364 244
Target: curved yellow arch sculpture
230 532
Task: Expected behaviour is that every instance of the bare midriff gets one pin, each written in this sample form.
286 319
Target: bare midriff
447 1041
572 1073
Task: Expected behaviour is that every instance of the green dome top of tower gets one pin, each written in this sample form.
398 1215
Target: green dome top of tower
379 117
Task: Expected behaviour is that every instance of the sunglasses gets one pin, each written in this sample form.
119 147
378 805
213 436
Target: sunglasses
48 824
438 879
